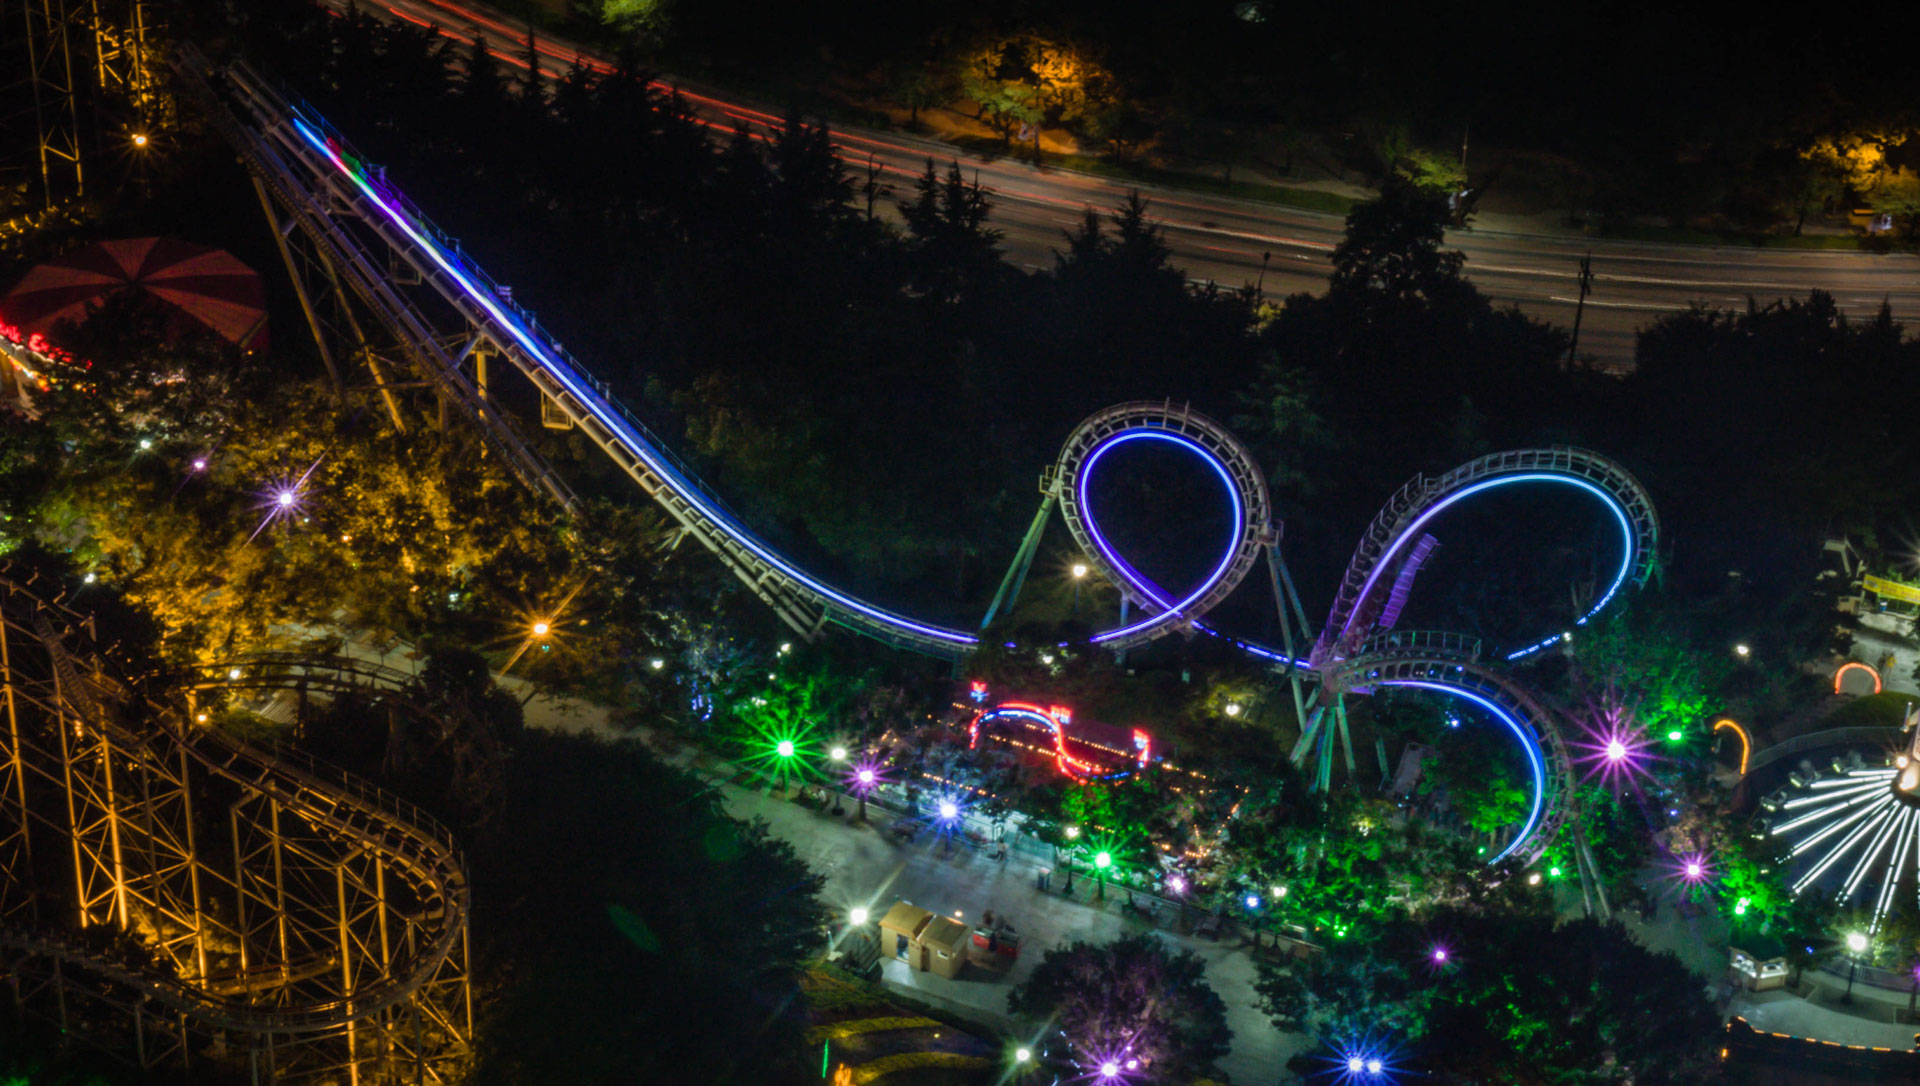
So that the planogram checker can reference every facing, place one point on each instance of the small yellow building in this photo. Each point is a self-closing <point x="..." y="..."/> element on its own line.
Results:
<point x="929" y="943"/>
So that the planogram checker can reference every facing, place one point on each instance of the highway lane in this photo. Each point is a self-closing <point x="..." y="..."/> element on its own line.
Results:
<point x="1222" y="239"/>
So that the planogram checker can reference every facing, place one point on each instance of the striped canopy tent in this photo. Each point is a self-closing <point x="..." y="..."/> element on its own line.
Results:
<point x="204" y="287"/>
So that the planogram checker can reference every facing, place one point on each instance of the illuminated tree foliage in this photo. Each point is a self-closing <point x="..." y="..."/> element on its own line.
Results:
<point x="1133" y="998"/>
<point x="1522" y="1001"/>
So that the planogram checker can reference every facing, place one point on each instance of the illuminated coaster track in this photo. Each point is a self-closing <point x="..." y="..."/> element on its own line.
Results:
<point x="1389" y="543"/>
<point x="291" y="916"/>
<point x="1449" y="664"/>
<point x="1244" y="485"/>
<point x="363" y="228"/>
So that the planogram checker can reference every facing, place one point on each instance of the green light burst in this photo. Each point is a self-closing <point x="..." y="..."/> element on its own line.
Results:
<point x="783" y="752"/>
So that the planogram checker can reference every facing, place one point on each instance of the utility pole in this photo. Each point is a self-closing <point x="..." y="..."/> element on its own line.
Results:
<point x="1580" y="307"/>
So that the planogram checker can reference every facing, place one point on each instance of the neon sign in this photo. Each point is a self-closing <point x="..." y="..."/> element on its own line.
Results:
<point x="1054" y="720"/>
<point x="1839" y="676"/>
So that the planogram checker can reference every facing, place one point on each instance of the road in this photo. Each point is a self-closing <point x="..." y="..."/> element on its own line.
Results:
<point x="1222" y="239"/>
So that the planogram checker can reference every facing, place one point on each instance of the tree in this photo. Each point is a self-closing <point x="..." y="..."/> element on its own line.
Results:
<point x="1131" y="999"/>
<point x="645" y="22"/>
<point x="1520" y="1001"/>
<point x="953" y="251"/>
<point x="1392" y="251"/>
<point x="633" y="931"/>
<point x="913" y="86"/>
<point x="1403" y="344"/>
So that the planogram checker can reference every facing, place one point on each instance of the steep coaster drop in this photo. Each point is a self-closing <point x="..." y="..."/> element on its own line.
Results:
<point x="361" y="227"/>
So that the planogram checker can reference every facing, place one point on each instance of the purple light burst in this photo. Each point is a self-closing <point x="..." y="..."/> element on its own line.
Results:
<point x="1109" y="1066"/>
<point x="1693" y="868"/>
<point x="1614" y="749"/>
<point x="284" y="498"/>
<point x="866" y="775"/>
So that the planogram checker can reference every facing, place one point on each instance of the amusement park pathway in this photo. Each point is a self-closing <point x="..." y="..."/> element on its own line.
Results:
<point x="863" y="865"/>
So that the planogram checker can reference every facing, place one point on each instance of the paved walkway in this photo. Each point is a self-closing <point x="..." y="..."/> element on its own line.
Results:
<point x="1871" y="1019"/>
<point x="865" y="866"/>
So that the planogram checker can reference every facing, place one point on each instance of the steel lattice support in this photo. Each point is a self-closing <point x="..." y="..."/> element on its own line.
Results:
<point x="177" y="897"/>
<point x="43" y="55"/>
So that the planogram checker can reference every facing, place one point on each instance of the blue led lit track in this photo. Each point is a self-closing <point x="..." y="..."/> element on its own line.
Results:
<point x="1388" y="546"/>
<point x="1450" y="664"/>
<point x="1243" y="485"/>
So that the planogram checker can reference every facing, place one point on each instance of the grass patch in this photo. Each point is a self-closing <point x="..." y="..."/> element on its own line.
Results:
<point x="831" y="993"/>
<point x="856" y="1026"/>
<point x="1330" y="203"/>
<point x="926" y="1067"/>
<point x="1883" y="710"/>
<point x="1686" y="236"/>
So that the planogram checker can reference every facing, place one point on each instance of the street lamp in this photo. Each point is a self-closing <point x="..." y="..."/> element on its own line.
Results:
<point x="539" y="630"/>
<point x="1856" y="946"/>
<point x="863" y="780"/>
<point x="858" y="916"/>
<point x="838" y="754"/>
<point x="1101" y="861"/>
<point x="1079" y="574"/>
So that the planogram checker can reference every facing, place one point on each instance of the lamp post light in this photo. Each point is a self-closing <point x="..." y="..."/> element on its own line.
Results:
<point x="1856" y="946"/>
<point x="863" y="780"/>
<point x="1101" y="861"/>
<point x="839" y="756"/>
<point x="1073" y="845"/>
<point x="540" y="630"/>
<point x="1079" y="572"/>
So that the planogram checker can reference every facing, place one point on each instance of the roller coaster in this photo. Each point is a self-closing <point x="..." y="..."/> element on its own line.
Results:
<point x="260" y="910"/>
<point x="379" y="251"/>
<point x="178" y="897"/>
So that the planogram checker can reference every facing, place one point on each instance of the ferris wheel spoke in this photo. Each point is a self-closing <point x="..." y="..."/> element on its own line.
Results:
<point x="1856" y="788"/>
<point x="1902" y="849"/>
<point x="1887" y="828"/>
<point x="1866" y="825"/>
<point x="1870" y="799"/>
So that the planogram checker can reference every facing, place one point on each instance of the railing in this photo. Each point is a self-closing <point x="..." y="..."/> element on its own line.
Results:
<point x="1832" y="737"/>
<point x="1422" y="494"/>
<point x="1238" y="461"/>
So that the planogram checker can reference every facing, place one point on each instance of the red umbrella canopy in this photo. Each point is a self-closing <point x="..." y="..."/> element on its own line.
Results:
<point x="207" y="285"/>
